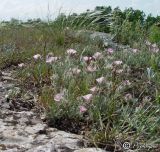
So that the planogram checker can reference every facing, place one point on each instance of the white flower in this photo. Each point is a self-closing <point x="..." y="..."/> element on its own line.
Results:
<point x="91" y="69"/>
<point x="37" y="56"/>
<point x="109" y="66"/>
<point x="134" y="50"/>
<point x="87" y="97"/>
<point x="154" y="45"/>
<point x="117" y="62"/>
<point x="148" y="43"/>
<point x="6" y="96"/>
<point x="93" y="90"/>
<point x="100" y="80"/>
<point x="147" y="99"/>
<point x="128" y="97"/>
<point x="85" y="58"/>
<point x="51" y="59"/>
<point x="97" y="55"/>
<point x="21" y="65"/>
<point x="50" y="54"/>
<point x="76" y="71"/>
<point x="119" y="71"/>
<point x="67" y="28"/>
<point x="155" y="50"/>
<point x="71" y="52"/>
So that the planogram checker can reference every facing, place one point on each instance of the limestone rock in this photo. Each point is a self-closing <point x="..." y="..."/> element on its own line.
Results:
<point x="23" y="130"/>
<point x="90" y="150"/>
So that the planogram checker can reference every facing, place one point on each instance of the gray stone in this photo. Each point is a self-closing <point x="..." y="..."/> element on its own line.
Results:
<point x="68" y="140"/>
<point x="90" y="150"/>
<point x="35" y="129"/>
<point x="11" y="150"/>
<point x="9" y="74"/>
<point x="27" y="96"/>
<point x="12" y="137"/>
<point x="23" y="121"/>
<point x="49" y="147"/>
<point x="8" y="78"/>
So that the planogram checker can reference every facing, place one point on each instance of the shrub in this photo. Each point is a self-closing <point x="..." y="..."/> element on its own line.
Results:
<point x="154" y="34"/>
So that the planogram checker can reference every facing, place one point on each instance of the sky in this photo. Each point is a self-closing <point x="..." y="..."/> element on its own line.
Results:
<point x="26" y="9"/>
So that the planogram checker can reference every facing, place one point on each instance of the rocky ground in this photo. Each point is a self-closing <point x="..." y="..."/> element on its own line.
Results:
<point x="22" y="129"/>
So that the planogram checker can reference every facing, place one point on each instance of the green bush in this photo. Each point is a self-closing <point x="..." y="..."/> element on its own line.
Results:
<point x="154" y="34"/>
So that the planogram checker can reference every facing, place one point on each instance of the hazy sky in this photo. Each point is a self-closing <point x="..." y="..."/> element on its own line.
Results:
<point x="24" y="9"/>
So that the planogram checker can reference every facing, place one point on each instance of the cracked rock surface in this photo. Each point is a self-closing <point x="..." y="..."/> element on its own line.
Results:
<point x="23" y="130"/>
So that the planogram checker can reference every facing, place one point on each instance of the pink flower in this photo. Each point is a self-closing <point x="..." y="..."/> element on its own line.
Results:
<point x="100" y="80"/>
<point x="97" y="55"/>
<point x="58" y="97"/>
<point x="91" y="69"/>
<point x="93" y="90"/>
<point x="127" y="83"/>
<point x="71" y="52"/>
<point x="110" y="51"/>
<point x="117" y="62"/>
<point x="21" y="65"/>
<point x="37" y="56"/>
<point x="51" y="59"/>
<point x="82" y="109"/>
<point x="87" y="97"/>
<point x="128" y="97"/>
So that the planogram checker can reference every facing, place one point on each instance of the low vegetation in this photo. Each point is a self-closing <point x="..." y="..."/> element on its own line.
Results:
<point x="109" y="96"/>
